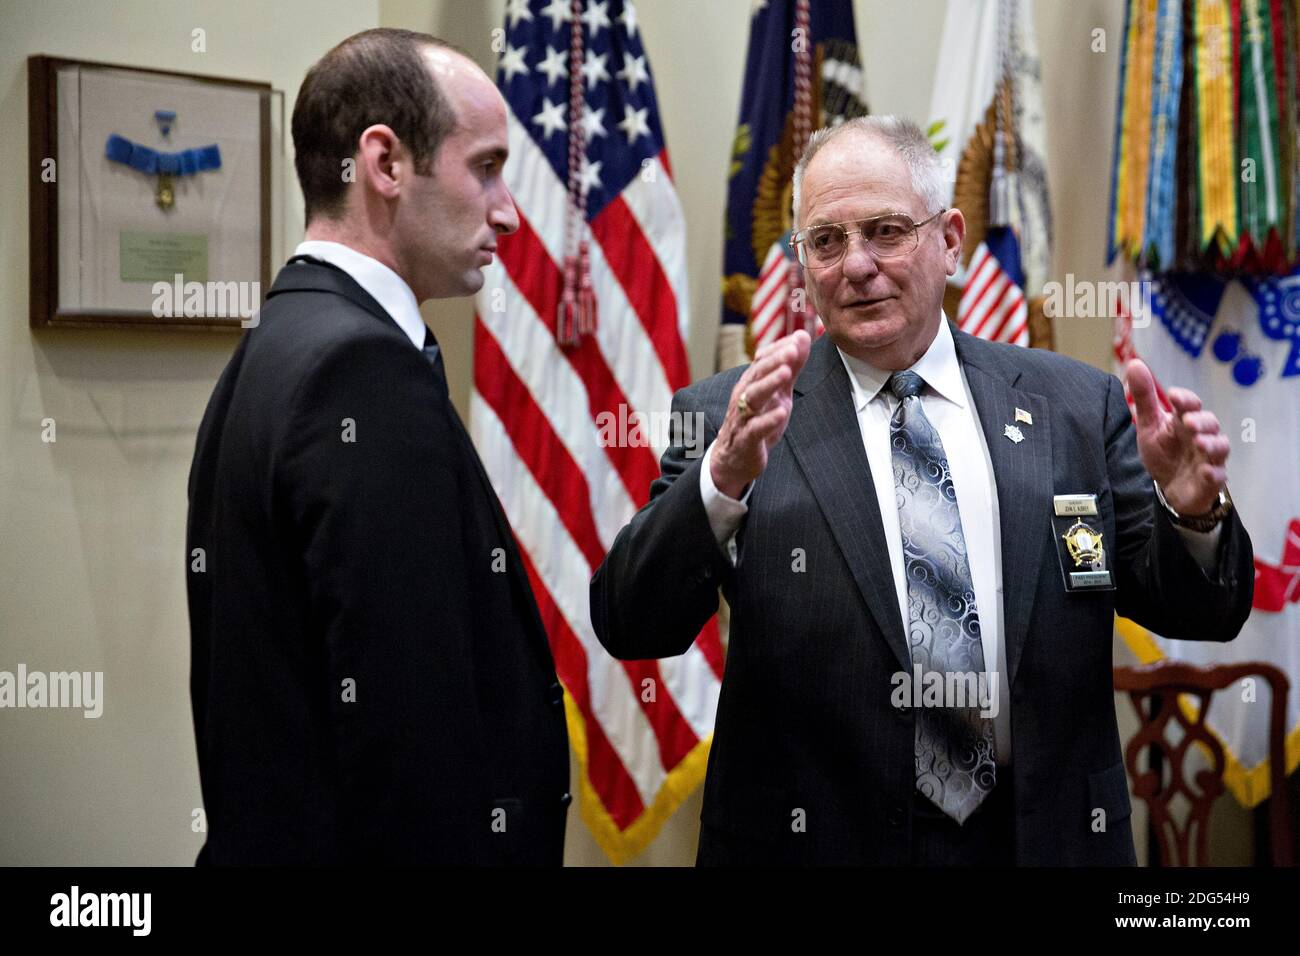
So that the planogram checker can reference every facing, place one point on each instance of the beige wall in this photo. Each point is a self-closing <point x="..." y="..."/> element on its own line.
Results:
<point x="92" y="526"/>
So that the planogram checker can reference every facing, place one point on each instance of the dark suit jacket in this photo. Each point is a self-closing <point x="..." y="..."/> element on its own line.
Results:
<point x="804" y="719"/>
<point x="366" y="687"/>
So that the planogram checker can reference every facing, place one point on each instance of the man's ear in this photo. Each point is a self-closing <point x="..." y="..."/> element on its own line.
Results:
<point x="382" y="161"/>
<point x="954" y="232"/>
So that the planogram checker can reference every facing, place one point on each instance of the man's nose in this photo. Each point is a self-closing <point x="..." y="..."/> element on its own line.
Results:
<point x="859" y="261"/>
<point x="503" y="216"/>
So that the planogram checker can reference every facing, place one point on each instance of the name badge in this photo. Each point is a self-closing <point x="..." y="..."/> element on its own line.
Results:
<point x="1080" y="544"/>
<point x="1074" y="505"/>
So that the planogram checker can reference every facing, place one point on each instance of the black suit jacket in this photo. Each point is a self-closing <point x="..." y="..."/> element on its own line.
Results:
<point x="804" y="719"/>
<point x="368" y="684"/>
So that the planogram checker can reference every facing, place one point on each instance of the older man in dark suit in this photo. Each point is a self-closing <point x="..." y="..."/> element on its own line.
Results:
<point x="924" y="538"/>
<point x="371" y="681"/>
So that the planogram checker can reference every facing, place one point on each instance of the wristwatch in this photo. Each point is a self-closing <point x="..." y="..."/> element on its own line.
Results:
<point x="1203" y="522"/>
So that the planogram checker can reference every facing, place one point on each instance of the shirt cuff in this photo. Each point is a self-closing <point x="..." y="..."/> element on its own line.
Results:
<point x="1203" y="546"/>
<point x="725" y="513"/>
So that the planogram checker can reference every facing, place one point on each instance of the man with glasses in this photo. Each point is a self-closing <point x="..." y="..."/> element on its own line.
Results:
<point x="923" y="538"/>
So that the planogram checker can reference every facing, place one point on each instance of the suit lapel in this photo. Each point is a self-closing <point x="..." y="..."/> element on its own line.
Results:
<point x="1023" y="473"/>
<point x="826" y="442"/>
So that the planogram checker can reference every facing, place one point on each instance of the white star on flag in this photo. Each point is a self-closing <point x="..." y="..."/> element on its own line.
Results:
<point x="595" y="17"/>
<point x="589" y="175"/>
<point x="593" y="123"/>
<point x="555" y="66"/>
<point x="551" y="118"/>
<point x="518" y="10"/>
<point x="558" y="11"/>
<point x="634" y="123"/>
<point x="628" y="18"/>
<point x="512" y="62"/>
<point x="634" y="72"/>
<point x="594" y="69"/>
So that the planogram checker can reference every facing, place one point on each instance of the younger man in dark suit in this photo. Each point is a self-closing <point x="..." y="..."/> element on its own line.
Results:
<point x="371" y="681"/>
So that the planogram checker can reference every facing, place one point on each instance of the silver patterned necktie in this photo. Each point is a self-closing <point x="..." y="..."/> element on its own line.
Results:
<point x="955" y="750"/>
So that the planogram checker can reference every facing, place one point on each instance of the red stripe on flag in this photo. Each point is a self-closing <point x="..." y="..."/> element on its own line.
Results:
<point x="663" y="160"/>
<point x="710" y="644"/>
<point x="1008" y="311"/>
<point x="639" y="272"/>
<point x="674" y="735"/>
<point x="538" y="278"/>
<point x="976" y="285"/>
<point x="609" y="778"/>
<point x="553" y="468"/>
<point x="988" y="287"/>
<point x="776" y="291"/>
<point x="1012" y="315"/>
<point x="1021" y="330"/>
<point x="565" y="485"/>
<point x="1007" y="288"/>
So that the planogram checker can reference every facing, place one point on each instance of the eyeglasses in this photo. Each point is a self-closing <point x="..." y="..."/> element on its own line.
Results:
<point x="894" y="234"/>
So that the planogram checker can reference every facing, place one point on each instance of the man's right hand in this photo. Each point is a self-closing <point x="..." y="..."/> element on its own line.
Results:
<point x="767" y="386"/>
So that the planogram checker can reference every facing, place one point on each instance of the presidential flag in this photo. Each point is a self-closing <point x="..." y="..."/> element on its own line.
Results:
<point x="579" y="345"/>
<point x="801" y="73"/>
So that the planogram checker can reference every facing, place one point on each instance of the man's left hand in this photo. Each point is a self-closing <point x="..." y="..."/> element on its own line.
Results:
<point x="1182" y="450"/>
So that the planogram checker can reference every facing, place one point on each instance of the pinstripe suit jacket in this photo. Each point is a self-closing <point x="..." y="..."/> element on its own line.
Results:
<point x="804" y="719"/>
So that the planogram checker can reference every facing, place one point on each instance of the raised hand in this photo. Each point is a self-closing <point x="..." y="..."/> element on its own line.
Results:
<point x="1183" y="450"/>
<point x="757" y="413"/>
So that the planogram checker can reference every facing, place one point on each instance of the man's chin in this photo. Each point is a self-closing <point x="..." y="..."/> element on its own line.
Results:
<point x="468" y="283"/>
<point x="872" y="331"/>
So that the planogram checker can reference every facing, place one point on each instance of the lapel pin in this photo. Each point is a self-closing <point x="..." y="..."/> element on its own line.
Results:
<point x="1014" y="433"/>
<point x="1024" y="416"/>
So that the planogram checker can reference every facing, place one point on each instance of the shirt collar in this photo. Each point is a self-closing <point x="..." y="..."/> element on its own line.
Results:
<point x="383" y="284"/>
<point x="938" y="367"/>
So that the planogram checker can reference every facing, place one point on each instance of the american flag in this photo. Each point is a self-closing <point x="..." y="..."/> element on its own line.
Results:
<point x="993" y="300"/>
<point x="640" y="729"/>
<point x="781" y="302"/>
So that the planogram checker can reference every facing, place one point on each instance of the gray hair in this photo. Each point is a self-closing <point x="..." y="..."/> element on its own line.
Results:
<point x="908" y="139"/>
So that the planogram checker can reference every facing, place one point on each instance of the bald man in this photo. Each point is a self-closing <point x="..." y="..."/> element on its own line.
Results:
<point x="371" y="682"/>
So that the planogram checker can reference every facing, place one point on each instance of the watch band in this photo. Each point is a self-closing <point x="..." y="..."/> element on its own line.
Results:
<point x="1202" y="522"/>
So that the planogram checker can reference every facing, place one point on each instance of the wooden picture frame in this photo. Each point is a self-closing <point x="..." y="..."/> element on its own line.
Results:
<point x="212" y="209"/>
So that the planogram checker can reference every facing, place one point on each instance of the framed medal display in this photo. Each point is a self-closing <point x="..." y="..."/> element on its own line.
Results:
<point x="154" y="196"/>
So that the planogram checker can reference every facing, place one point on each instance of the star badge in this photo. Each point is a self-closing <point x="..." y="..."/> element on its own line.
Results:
<point x="1014" y="433"/>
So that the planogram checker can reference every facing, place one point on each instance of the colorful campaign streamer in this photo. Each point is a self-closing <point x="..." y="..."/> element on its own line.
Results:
<point x="1204" y="170"/>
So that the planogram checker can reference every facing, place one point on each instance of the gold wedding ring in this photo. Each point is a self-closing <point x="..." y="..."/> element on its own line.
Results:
<point x="742" y="405"/>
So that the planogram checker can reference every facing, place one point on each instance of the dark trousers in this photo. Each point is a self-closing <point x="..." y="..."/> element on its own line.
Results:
<point x="987" y="838"/>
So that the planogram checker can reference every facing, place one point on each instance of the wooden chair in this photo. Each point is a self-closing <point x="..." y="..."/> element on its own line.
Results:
<point x="1158" y="686"/>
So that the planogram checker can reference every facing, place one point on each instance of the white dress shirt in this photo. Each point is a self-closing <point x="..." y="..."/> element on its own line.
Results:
<point x="383" y="284"/>
<point x="949" y="406"/>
